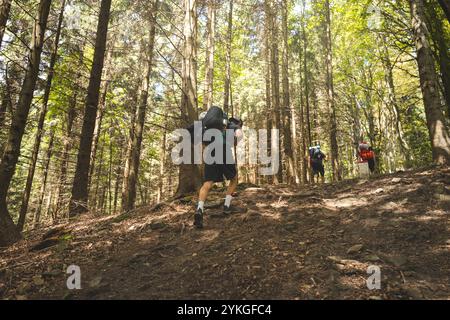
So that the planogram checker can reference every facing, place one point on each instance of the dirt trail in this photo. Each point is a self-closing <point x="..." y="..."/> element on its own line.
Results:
<point x="293" y="243"/>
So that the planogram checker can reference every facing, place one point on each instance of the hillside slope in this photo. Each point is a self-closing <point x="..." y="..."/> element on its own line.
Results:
<point x="293" y="243"/>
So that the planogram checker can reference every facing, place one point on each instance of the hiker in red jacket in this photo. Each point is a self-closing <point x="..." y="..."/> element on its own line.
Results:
<point x="366" y="154"/>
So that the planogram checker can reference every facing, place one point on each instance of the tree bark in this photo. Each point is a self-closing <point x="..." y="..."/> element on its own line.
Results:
<point x="79" y="199"/>
<point x="275" y="85"/>
<point x="5" y="8"/>
<point x="136" y="143"/>
<point x="48" y="158"/>
<point x="189" y="176"/>
<point x="437" y="33"/>
<point x="330" y="95"/>
<point x="227" y="82"/>
<point x="306" y="76"/>
<point x="286" y="108"/>
<point x="40" y="126"/>
<point x="445" y="4"/>
<point x="208" y="95"/>
<point x="9" y="233"/>
<point x="438" y="132"/>
<point x="68" y="139"/>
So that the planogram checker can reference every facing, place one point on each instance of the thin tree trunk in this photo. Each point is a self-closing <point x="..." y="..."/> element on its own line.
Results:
<point x="330" y="95"/>
<point x="5" y="8"/>
<point x="48" y="158"/>
<point x="67" y="140"/>
<point x="303" y="129"/>
<point x="130" y="193"/>
<point x="439" y="136"/>
<point x="101" y="111"/>
<point x="393" y="103"/>
<point x="40" y="126"/>
<point x="286" y="108"/>
<point x="208" y="95"/>
<point x="162" y="161"/>
<point x="275" y="85"/>
<point x="79" y="199"/>
<point x="268" y="75"/>
<point x="306" y="76"/>
<point x="227" y="82"/>
<point x="9" y="233"/>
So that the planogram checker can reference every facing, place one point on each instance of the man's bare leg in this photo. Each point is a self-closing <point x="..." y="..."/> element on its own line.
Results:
<point x="231" y="189"/>
<point x="203" y="195"/>
<point x="232" y="186"/>
<point x="204" y="191"/>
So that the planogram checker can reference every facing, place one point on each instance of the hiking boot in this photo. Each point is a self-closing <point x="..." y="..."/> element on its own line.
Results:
<point x="232" y="210"/>
<point x="198" y="219"/>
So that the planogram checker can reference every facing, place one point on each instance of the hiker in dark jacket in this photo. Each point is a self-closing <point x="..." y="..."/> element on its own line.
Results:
<point x="219" y="172"/>
<point x="316" y="159"/>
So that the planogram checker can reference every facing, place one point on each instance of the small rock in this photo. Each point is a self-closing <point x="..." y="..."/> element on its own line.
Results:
<point x="380" y="190"/>
<point x="375" y="298"/>
<point x="355" y="249"/>
<point x="396" y="180"/>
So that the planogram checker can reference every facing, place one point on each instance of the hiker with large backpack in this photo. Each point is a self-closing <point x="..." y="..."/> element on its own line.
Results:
<point x="366" y="154"/>
<point x="215" y="118"/>
<point x="316" y="157"/>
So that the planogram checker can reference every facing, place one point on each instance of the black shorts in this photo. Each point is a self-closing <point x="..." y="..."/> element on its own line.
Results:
<point x="220" y="172"/>
<point x="318" y="168"/>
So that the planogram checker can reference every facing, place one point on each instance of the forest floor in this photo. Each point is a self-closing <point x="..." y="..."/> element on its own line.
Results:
<point x="293" y="243"/>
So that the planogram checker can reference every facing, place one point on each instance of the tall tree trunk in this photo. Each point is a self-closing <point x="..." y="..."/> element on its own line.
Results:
<point x="9" y="233"/>
<point x="227" y="82"/>
<point x="393" y="103"/>
<point x="40" y="126"/>
<point x="162" y="161"/>
<point x="130" y="194"/>
<point x="97" y="130"/>
<point x="189" y="176"/>
<point x="442" y="47"/>
<point x="330" y="95"/>
<point x="275" y="77"/>
<point x="5" y="8"/>
<point x="303" y="145"/>
<point x="208" y="95"/>
<point x="306" y="76"/>
<point x="268" y="75"/>
<point x="68" y="138"/>
<point x="286" y="108"/>
<point x="439" y="136"/>
<point x="79" y="199"/>
<point x="48" y="158"/>
<point x="102" y="107"/>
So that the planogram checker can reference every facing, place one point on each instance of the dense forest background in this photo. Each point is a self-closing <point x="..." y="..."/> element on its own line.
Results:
<point x="91" y="91"/>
